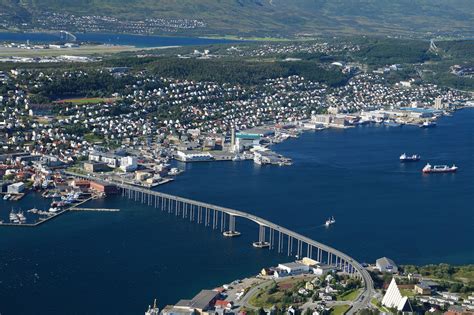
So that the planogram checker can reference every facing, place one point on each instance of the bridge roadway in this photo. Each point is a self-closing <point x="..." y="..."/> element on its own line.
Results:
<point x="342" y="260"/>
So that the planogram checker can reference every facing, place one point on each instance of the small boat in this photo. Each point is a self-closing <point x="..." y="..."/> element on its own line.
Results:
<point x="174" y="171"/>
<point x="6" y="197"/>
<point x="13" y="216"/>
<point x="21" y="217"/>
<point x="237" y="158"/>
<point x="391" y="123"/>
<point x="428" y="124"/>
<point x="330" y="221"/>
<point x="409" y="158"/>
<point x="439" y="169"/>
<point x="33" y="210"/>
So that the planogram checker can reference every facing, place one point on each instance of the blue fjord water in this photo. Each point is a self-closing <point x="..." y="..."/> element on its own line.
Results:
<point x="116" y="263"/>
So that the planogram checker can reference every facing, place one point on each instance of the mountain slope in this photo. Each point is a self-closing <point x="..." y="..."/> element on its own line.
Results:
<point x="277" y="16"/>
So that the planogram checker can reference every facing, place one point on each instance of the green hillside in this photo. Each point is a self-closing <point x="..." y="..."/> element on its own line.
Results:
<point x="275" y="16"/>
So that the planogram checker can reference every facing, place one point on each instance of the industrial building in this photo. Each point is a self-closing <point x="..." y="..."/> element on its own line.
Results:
<point x="199" y="304"/>
<point x="103" y="188"/>
<point x="294" y="268"/>
<point x="16" y="188"/>
<point x="193" y="156"/>
<point x="385" y="264"/>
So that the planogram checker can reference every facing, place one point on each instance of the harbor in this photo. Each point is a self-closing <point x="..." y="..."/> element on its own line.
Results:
<point x="68" y="202"/>
<point x="300" y="197"/>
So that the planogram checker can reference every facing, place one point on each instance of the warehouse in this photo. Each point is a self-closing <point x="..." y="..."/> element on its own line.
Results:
<point x="16" y="188"/>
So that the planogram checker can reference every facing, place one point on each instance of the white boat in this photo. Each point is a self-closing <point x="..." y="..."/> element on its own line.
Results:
<point x="6" y="197"/>
<point x="174" y="171"/>
<point x="391" y="123"/>
<point x="237" y="158"/>
<point x="53" y="209"/>
<point x="33" y="210"/>
<point x="21" y="217"/>
<point x="330" y="221"/>
<point x="409" y="158"/>
<point x="13" y="216"/>
<point x="428" y="124"/>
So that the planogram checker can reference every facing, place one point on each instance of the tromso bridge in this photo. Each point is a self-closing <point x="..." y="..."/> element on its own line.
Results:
<point x="270" y="236"/>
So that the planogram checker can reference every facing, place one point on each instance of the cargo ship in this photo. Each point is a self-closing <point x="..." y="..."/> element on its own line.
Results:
<point x="407" y="158"/>
<point x="439" y="169"/>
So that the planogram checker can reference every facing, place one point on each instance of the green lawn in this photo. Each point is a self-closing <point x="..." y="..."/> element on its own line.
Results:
<point x="376" y="303"/>
<point x="91" y="137"/>
<point x="407" y="292"/>
<point x="349" y="296"/>
<point x="339" y="309"/>
<point x="85" y="100"/>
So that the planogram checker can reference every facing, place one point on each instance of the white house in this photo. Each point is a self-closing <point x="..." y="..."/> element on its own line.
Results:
<point x="320" y="270"/>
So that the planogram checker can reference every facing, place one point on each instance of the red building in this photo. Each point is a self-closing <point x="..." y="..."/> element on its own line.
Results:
<point x="105" y="188"/>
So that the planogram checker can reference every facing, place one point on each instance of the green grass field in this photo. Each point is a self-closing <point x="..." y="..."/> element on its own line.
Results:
<point x="407" y="292"/>
<point x="349" y="296"/>
<point x="87" y="100"/>
<point x="339" y="309"/>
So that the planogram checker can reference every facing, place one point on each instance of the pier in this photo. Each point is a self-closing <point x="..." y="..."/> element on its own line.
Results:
<point x="270" y="235"/>
<point x="52" y="215"/>
<point x="94" y="209"/>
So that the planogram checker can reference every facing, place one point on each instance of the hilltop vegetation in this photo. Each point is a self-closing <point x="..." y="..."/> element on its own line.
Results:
<point x="274" y="17"/>
<point x="463" y="274"/>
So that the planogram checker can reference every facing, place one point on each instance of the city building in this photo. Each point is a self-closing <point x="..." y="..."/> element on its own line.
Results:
<point x="128" y="163"/>
<point x="438" y="103"/>
<point x="93" y="166"/>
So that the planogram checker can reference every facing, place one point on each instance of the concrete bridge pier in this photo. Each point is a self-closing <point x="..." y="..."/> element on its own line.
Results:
<point x="262" y="243"/>
<point x="231" y="232"/>
<point x="280" y="242"/>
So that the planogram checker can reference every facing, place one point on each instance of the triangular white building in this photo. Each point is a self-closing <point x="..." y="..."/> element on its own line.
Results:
<point x="394" y="299"/>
